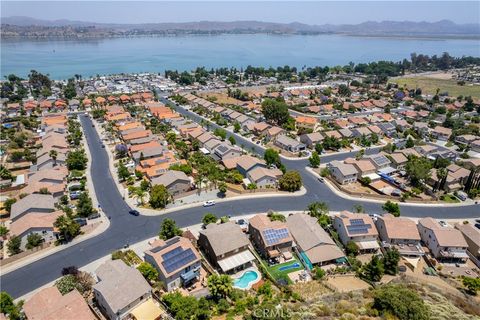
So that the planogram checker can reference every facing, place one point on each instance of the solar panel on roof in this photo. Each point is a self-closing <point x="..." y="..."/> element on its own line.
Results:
<point x="273" y="236"/>
<point x="177" y="258"/>
<point x="354" y="222"/>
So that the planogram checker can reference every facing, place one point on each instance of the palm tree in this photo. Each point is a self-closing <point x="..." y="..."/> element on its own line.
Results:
<point x="140" y="194"/>
<point x="53" y="154"/>
<point x="441" y="175"/>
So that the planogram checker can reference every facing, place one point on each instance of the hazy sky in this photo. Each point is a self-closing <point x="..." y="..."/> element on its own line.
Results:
<point x="313" y="12"/>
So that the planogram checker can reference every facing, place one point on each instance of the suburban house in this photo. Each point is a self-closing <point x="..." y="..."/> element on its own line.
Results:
<point x="358" y="228"/>
<point x="40" y="223"/>
<point x="314" y="245"/>
<point x="475" y="146"/>
<point x="465" y="139"/>
<point x="444" y="243"/>
<point x="398" y="160"/>
<point x="343" y="173"/>
<point x="246" y="163"/>
<point x="176" y="182"/>
<point x="263" y="177"/>
<point x="226" y="246"/>
<point x="49" y="303"/>
<point x="387" y="128"/>
<point x="364" y="167"/>
<point x="311" y="139"/>
<point x="273" y="133"/>
<point x="309" y="123"/>
<point x="472" y="236"/>
<point x="119" y="289"/>
<point x="33" y="203"/>
<point x="176" y="260"/>
<point x="271" y="238"/>
<point x="289" y="144"/>
<point x="46" y="162"/>
<point x="441" y="133"/>
<point x="380" y="161"/>
<point x="226" y="150"/>
<point x="400" y="233"/>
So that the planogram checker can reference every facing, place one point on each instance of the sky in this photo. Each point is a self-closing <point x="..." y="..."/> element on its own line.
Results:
<point x="312" y="12"/>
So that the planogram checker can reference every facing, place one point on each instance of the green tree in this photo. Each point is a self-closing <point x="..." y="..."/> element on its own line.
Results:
<point x="392" y="207"/>
<point x="3" y="231"/>
<point x="236" y="127"/>
<point x="314" y="159"/>
<point x="275" y="111"/>
<point x="319" y="148"/>
<point x="351" y="249"/>
<point x="122" y="172"/>
<point x="400" y="302"/>
<point x="9" y="307"/>
<point x="221" y="133"/>
<point x="220" y="286"/>
<point x="271" y="156"/>
<point x="318" y="273"/>
<point x="320" y="211"/>
<point x="418" y="169"/>
<point x="390" y="261"/>
<point x="373" y="270"/>
<point x="185" y="168"/>
<point x="209" y="218"/>
<point x="169" y="229"/>
<point x="13" y="245"/>
<point x="140" y="195"/>
<point x="69" y="90"/>
<point x="159" y="196"/>
<point x="85" y="205"/>
<point x="33" y="240"/>
<point x="410" y="143"/>
<point x="291" y="181"/>
<point x="148" y="271"/>
<point x="232" y="140"/>
<point x="472" y="285"/>
<point x="76" y="160"/>
<point x="68" y="228"/>
<point x="144" y="185"/>
<point x="358" y="208"/>
<point x="5" y="173"/>
<point x="171" y="137"/>
<point x="7" y="204"/>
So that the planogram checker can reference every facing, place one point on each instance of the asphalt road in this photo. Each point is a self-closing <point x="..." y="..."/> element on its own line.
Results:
<point x="125" y="228"/>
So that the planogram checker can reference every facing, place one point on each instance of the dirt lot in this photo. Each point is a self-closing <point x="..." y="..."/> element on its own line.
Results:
<point x="347" y="283"/>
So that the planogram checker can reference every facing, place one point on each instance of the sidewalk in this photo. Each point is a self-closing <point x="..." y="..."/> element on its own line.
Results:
<point x="103" y="222"/>
<point x="365" y="199"/>
<point x="193" y="200"/>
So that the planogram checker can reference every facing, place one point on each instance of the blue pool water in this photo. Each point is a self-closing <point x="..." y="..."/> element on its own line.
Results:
<point x="245" y="279"/>
<point x="290" y="266"/>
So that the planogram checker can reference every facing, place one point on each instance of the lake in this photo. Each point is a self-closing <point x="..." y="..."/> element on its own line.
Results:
<point x="64" y="58"/>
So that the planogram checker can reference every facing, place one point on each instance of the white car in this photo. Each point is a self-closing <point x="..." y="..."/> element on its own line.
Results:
<point x="209" y="203"/>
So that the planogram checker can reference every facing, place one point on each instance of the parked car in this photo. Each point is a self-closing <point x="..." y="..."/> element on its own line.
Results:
<point x="75" y="195"/>
<point x="81" y="221"/>
<point x="134" y="213"/>
<point x="209" y="203"/>
<point x="462" y="195"/>
<point x="477" y="225"/>
<point x="443" y="223"/>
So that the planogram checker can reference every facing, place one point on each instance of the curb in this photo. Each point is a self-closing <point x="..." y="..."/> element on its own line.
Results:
<point x="104" y="225"/>
<point x="411" y="204"/>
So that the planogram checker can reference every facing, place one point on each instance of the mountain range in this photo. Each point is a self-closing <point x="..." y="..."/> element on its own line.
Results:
<point x="17" y="25"/>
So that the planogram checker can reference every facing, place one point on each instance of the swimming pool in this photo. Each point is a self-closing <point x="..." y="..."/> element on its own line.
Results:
<point x="290" y="266"/>
<point x="246" y="280"/>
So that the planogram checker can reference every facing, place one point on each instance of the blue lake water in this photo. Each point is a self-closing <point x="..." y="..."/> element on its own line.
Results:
<point x="64" y="58"/>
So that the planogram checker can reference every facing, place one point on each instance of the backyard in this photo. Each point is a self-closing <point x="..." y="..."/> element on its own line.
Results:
<point x="281" y="270"/>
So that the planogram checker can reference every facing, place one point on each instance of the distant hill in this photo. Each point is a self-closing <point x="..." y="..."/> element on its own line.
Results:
<point x="25" y="26"/>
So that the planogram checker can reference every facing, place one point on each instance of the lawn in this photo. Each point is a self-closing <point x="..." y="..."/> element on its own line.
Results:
<point x="282" y="274"/>
<point x="429" y="86"/>
<point x="449" y="198"/>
